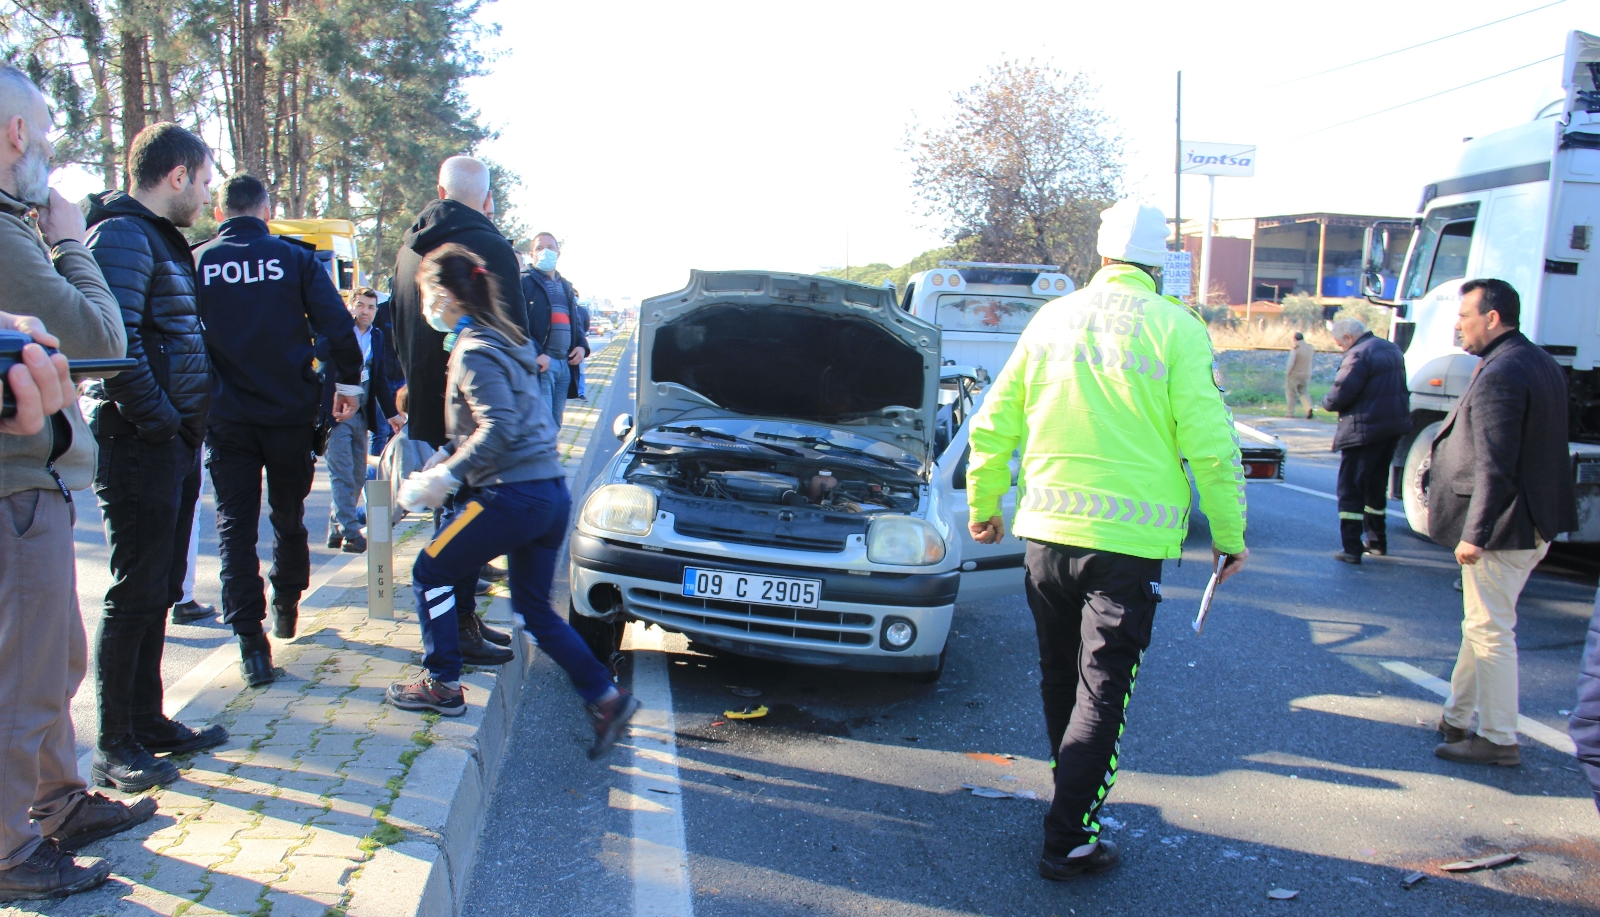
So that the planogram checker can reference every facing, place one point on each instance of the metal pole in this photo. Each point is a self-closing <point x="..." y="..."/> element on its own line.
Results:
<point x="380" y="553"/>
<point x="1177" y="169"/>
<point x="1204" y="297"/>
<point x="1322" y="250"/>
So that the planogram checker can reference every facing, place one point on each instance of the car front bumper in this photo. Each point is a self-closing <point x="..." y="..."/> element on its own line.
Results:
<point x="844" y="631"/>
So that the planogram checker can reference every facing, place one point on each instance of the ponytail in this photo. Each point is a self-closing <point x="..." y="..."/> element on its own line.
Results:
<point x="457" y="269"/>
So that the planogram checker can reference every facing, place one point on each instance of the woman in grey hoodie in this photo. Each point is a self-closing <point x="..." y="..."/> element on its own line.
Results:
<point x="507" y="495"/>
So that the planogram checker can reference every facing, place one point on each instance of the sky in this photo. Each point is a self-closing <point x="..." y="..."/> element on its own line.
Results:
<point x="654" y="138"/>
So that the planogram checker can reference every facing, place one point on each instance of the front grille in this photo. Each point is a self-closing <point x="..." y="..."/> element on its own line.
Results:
<point x="765" y="539"/>
<point x="811" y="624"/>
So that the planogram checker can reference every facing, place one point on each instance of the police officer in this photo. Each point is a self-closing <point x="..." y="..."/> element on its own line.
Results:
<point x="1105" y="388"/>
<point x="262" y="298"/>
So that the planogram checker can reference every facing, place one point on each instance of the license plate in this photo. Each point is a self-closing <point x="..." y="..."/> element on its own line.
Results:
<point x="750" y="587"/>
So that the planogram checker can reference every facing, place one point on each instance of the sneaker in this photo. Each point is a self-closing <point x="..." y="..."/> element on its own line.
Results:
<point x="170" y="737"/>
<point x="483" y="587"/>
<point x="1479" y="750"/>
<point x="427" y="694"/>
<point x="1100" y="856"/>
<point x="355" y="544"/>
<point x="492" y="573"/>
<point x="1452" y="734"/>
<point x="123" y="764"/>
<point x="97" y="817"/>
<point x="610" y="718"/>
<point x="192" y="611"/>
<point x="1348" y="558"/>
<point x="49" y="873"/>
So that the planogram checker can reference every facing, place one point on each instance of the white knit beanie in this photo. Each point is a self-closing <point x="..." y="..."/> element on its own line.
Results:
<point x="1133" y="232"/>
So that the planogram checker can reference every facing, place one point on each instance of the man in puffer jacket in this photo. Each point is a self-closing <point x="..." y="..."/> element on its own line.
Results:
<point x="1584" y="727"/>
<point x="1369" y="394"/>
<point x="149" y="423"/>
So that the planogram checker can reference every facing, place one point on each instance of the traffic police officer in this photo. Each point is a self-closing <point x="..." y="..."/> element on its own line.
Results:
<point x="1105" y="389"/>
<point x="262" y="298"/>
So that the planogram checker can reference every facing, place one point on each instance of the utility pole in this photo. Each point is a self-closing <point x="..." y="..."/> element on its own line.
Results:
<point x="1177" y="172"/>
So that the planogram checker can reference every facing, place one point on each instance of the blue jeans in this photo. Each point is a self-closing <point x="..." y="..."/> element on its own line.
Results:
<point x="553" y="382"/>
<point x="527" y="522"/>
<point x="347" y="472"/>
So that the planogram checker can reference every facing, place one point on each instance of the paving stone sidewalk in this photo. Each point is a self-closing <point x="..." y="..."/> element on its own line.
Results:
<point x="326" y="801"/>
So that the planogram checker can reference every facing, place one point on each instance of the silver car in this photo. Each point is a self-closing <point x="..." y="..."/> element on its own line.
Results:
<point x="793" y="486"/>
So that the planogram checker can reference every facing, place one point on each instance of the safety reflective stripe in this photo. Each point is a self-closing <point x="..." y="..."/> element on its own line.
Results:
<point x="469" y="513"/>
<point x="435" y="609"/>
<point x="1091" y="818"/>
<point x="1354" y="516"/>
<point x="1105" y="357"/>
<point x="1069" y="502"/>
<point x="1372" y="512"/>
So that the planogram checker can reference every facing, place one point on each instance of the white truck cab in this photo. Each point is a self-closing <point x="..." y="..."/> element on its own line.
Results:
<point x="1521" y="205"/>
<point x="982" y="307"/>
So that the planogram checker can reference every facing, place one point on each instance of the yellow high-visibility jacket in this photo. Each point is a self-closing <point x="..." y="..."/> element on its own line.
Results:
<point x="1109" y="389"/>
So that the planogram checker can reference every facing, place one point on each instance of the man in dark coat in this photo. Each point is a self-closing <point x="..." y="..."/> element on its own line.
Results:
<point x="552" y="322"/>
<point x="1369" y="394"/>
<point x="1584" y="727"/>
<point x="463" y="214"/>
<point x="149" y="423"/>
<point x="1500" y="490"/>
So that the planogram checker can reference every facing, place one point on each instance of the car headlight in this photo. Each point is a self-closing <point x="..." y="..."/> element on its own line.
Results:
<point x="904" y="541"/>
<point x="622" y="509"/>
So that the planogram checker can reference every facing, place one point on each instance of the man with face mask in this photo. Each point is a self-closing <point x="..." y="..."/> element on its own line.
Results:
<point x="149" y="422"/>
<point x="553" y="321"/>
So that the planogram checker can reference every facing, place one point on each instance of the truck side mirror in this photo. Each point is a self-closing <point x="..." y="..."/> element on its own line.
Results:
<point x="622" y="426"/>
<point x="1372" y="284"/>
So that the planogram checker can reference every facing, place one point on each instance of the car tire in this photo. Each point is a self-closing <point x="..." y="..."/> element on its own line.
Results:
<point x="929" y="677"/>
<point x="602" y="637"/>
<point x="1414" y="480"/>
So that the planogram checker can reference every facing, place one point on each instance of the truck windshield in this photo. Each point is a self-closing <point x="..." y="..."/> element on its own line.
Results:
<point x="1440" y="252"/>
<point x="978" y="312"/>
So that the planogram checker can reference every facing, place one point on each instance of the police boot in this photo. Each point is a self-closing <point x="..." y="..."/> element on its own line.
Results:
<point x="474" y="649"/>
<point x="1350" y="535"/>
<point x="285" y="615"/>
<point x="255" y="655"/>
<point x="1377" y="534"/>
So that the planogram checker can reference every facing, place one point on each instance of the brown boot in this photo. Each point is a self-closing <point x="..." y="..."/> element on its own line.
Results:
<point x="1453" y="734"/>
<point x="1479" y="750"/>
<point x="97" y="817"/>
<point x="49" y="873"/>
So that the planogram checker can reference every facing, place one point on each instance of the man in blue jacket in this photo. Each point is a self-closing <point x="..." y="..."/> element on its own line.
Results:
<point x="1369" y="395"/>
<point x="262" y="298"/>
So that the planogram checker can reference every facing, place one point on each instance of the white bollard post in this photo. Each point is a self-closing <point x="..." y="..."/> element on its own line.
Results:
<point x="380" y="553"/>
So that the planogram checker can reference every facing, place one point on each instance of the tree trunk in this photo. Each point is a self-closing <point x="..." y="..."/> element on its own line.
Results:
<point x="131" y="66"/>
<point x="102" y="109"/>
<point x="169" y="112"/>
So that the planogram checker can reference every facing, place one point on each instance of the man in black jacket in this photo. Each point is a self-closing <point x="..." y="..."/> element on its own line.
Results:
<point x="552" y="304"/>
<point x="1369" y="394"/>
<point x="1500" y="490"/>
<point x="463" y="214"/>
<point x="262" y="298"/>
<point x="149" y="423"/>
<point x="347" y="444"/>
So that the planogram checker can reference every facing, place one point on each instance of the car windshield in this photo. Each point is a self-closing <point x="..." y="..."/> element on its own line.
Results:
<point x="1440" y="252"/>
<point x="985" y="312"/>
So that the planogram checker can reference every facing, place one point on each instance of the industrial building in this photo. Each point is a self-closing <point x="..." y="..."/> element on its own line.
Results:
<point x="1264" y="259"/>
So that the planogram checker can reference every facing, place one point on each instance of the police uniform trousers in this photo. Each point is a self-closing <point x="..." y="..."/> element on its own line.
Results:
<point x="236" y="455"/>
<point x="1093" y="611"/>
<point x="1363" y="492"/>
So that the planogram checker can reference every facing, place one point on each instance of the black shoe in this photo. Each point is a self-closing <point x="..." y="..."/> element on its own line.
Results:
<point x="355" y="544"/>
<point x="284" y="619"/>
<point x="335" y="538"/>
<point x="1348" y="558"/>
<point x="170" y="737"/>
<point x="98" y="817"/>
<point x="192" y="611"/>
<point x="492" y="573"/>
<point x="1058" y="869"/>
<point x="49" y="873"/>
<point x="497" y="637"/>
<point x="124" y="764"/>
<point x="483" y="587"/>
<point x="474" y="649"/>
<point x="609" y="720"/>
<point x="1377" y="550"/>
<point x="255" y="660"/>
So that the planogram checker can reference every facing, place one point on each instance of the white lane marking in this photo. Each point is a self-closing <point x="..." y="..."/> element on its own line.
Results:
<point x="660" y="858"/>
<point x="1531" y="728"/>
<point x="1327" y="496"/>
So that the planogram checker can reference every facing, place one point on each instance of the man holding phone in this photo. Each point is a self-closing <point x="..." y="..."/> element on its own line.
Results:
<point x="1105" y="389"/>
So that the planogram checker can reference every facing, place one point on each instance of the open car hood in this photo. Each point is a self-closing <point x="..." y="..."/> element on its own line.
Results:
<point x="791" y="347"/>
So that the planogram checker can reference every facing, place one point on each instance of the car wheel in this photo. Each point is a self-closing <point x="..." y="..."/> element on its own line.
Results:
<point x="602" y="637"/>
<point x="928" y="678"/>
<point x="1414" y="483"/>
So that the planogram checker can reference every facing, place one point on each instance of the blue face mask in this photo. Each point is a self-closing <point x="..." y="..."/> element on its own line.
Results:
<point x="546" y="260"/>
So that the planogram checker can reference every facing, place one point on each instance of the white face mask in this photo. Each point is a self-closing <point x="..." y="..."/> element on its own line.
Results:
<point x="545" y="259"/>
<point x="433" y="309"/>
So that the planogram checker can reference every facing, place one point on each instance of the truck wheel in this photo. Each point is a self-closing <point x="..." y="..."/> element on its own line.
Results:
<point x="602" y="637"/>
<point x="1414" y="483"/>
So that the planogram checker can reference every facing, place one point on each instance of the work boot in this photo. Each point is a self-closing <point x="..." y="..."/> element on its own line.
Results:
<point x="610" y="717"/>
<point x="1100" y="856"/>
<point x="192" y="611"/>
<point x="497" y="637"/>
<point x="1453" y="734"/>
<point x="335" y="538"/>
<point x="1376" y="550"/>
<point x="355" y="544"/>
<point x="1478" y="750"/>
<point x="492" y="573"/>
<point x="255" y="660"/>
<point x="474" y="649"/>
<point x="122" y="763"/>
<point x="1348" y="557"/>
<point x="427" y="694"/>
<point x="49" y="873"/>
<point x="285" y="617"/>
<point x="97" y="817"/>
<point x="169" y="737"/>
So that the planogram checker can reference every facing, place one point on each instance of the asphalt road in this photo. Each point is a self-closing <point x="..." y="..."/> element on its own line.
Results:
<point x="1273" y="752"/>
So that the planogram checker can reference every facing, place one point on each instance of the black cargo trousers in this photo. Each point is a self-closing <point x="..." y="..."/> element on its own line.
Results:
<point x="1093" y="611"/>
<point x="1363" y="491"/>
<point x="236" y="454"/>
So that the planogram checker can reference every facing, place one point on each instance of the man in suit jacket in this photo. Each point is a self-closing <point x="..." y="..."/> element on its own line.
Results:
<point x="347" y="440"/>
<point x="1500" y="490"/>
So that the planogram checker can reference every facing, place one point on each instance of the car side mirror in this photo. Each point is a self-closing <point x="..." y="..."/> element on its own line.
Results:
<point x="622" y="426"/>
